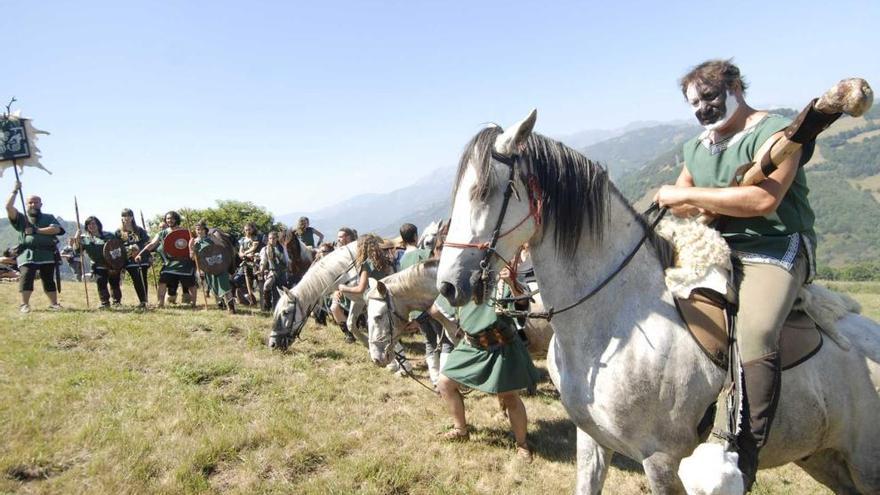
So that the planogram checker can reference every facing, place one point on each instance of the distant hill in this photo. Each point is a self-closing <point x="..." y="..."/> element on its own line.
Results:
<point x="632" y="150"/>
<point x="375" y="212"/>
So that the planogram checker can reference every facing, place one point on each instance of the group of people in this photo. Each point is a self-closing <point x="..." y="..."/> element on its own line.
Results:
<point x="769" y="227"/>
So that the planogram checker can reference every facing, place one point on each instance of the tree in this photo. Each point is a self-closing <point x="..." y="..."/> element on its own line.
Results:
<point x="230" y="216"/>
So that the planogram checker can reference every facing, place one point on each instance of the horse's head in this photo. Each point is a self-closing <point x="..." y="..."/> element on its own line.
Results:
<point x="493" y="213"/>
<point x="380" y="325"/>
<point x="287" y="320"/>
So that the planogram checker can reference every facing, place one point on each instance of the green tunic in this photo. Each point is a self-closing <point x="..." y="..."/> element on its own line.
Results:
<point x="413" y="257"/>
<point x="218" y="284"/>
<point x="94" y="247"/>
<point x="494" y="371"/>
<point x="176" y="266"/>
<point x="37" y="249"/>
<point x="774" y="238"/>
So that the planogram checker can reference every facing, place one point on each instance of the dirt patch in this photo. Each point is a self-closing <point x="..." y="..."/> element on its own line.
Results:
<point x="37" y="471"/>
<point x="78" y="340"/>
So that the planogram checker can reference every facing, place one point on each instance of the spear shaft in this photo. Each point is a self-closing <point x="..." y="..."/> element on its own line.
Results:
<point x="83" y="254"/>
<point x="152" y="270"/>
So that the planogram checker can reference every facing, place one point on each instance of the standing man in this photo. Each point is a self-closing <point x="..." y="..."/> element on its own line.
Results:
<point x="37" y="250"/>
<point x="769" y="227"/>
<point x="310" y="236"/>
<point x="174" y="269"/>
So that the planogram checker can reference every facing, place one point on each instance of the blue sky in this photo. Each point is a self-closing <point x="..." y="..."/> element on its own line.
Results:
<point x="298" y="105"/>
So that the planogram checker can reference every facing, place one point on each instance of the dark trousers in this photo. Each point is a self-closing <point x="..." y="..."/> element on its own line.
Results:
<point x="29" y="273"/>
<point x="103" y="277"/>
<point x="140" y="281"/>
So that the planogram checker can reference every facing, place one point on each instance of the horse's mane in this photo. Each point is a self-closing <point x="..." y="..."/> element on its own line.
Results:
<point x="574" y="189"/>
<point x="412" y="277"/>
<point x="320" y="276"/>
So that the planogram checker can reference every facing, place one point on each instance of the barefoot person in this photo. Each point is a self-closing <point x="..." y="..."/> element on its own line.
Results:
<point x="36" y="253"/>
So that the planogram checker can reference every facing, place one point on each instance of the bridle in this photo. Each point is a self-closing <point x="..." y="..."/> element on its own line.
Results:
<point x="293" y="331"/>
<point x="535" y="211"/>
<point x="536" y="203"/>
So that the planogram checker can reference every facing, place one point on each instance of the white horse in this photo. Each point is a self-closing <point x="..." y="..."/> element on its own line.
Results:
<point x="295" y="305"/>
<point x="630" y="376"/>
<point x="415" y="289"/>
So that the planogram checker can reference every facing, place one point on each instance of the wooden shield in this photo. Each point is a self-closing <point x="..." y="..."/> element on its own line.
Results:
<point x="114" y="254"/>
<point x="214" y="259"/>
<point x="176" y="244"/>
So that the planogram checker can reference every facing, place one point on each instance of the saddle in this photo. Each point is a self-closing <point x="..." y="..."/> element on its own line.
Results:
<point x="707" y="314"/>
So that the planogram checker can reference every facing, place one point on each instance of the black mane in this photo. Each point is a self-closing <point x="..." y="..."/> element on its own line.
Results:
<point x="574" y="189"/>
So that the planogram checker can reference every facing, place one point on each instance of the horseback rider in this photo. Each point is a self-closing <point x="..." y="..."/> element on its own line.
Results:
<point x="769" y="227"/>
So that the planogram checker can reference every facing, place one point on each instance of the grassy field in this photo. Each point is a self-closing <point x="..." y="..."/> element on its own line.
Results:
<point x="184" y="401"/>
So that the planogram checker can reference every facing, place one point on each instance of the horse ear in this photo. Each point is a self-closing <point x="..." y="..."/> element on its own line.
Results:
<point x="509" y="142"/>
<point x="280" y="292"/>
<point x="383" y="291"/>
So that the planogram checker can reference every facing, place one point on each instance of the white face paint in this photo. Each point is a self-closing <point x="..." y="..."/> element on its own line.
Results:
<point x="702" y="103"/>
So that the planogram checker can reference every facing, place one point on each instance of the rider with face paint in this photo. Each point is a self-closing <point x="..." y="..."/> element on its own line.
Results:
<point x="769" y="227"/>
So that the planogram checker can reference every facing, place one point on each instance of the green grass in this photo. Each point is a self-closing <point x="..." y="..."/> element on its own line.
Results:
<point x="184" y="401"/>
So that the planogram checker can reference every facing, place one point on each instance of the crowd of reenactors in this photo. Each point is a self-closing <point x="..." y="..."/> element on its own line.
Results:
<point x="233" y="271"/>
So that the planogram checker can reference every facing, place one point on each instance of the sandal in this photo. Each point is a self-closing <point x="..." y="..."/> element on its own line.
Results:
<point x="523" y="453"/>
<point x="456" y="435"/>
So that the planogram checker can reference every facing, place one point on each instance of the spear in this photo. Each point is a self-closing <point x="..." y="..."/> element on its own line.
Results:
<point x="152" y="269"/>
<point x="82" y="264"/>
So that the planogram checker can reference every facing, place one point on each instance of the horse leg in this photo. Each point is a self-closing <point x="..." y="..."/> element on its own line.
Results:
<point x="592" y="464"/>
<point x="660" y="468"/>
<point x="829" y="468"/>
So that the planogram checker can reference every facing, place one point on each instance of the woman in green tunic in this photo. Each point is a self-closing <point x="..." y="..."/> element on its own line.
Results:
<point x="218" y="284"/>
<point x="493" y="359"/>
<point x="371" y="262"/>
<point x="92" y="242"/>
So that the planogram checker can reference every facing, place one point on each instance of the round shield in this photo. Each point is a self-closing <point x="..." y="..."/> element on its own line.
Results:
<point x="176" y="244"/>
<point x="114" y="254"/>
<point x="214" y="259"/>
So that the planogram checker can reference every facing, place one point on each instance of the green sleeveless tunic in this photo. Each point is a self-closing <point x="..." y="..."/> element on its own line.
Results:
<point x="173" y="265"/>
<point x="218" y="284"/>
<point x="504" y="369"/>
<point x="774" y="238"/>
<point x="36" y="249"/>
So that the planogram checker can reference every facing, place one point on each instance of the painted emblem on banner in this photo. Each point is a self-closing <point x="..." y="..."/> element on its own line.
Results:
<point x="13" y="140"/>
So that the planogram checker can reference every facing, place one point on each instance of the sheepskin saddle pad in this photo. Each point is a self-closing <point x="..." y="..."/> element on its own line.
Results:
<point x="700" y="283"/>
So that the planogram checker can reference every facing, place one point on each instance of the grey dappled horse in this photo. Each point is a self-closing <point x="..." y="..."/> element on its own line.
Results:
<point x="630" y="376"/>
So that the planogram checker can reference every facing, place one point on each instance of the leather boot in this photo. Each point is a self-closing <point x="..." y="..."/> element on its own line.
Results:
<point x="762" y="384"/>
